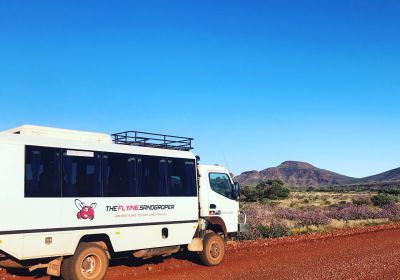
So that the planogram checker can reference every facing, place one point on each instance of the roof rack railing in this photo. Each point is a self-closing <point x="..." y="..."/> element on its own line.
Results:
<point x="153" y="140"/>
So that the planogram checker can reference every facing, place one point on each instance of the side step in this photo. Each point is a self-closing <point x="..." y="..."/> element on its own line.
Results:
<point x="162" y="251"/>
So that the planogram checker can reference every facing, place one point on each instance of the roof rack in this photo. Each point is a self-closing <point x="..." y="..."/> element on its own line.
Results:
<point x="153" y="140"/>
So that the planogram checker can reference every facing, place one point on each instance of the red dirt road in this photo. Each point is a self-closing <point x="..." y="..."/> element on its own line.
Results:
<point x="368" y="253"/>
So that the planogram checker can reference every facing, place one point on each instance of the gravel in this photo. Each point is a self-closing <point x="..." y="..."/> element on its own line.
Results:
<point x="363" y="253"/>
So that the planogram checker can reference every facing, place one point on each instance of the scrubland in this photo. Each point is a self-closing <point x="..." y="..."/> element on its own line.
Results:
<point x="310" y="212"/>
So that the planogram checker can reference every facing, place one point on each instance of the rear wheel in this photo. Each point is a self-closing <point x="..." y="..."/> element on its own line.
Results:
<point x="65" y="268"/>
<point x="213" y="249"/>
<point x="90" y="262"/>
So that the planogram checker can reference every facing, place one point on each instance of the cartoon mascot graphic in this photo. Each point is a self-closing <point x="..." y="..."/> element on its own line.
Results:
<point x="85" y="212"/>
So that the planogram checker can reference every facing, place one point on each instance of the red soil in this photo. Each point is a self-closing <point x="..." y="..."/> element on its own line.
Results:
<point x="366" y="253"/>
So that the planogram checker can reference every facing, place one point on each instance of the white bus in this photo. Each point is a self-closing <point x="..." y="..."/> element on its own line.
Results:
<point x="72" y="200"/>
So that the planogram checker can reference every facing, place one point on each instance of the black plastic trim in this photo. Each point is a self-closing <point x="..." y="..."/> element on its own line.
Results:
<point x="93" y="227"/>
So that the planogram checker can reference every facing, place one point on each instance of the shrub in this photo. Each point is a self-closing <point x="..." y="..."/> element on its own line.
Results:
<point x="285" y="213"/>
<point x="274" y="230"/>
<point x="267" y="190"/>
<point x="248" y="193"/>
<point x="313" y="217"/>
<point x="392" y="212"/>
<point x="272" y="189"/>
<point x="382" y="200"/>
<point x="304" y="218"/>
<point x="273" y="204"/>
<point x="361" y="201"/>
<point x="353" y="212"/>
<point x="256" y="215"/>
<point x="391" y="192"/>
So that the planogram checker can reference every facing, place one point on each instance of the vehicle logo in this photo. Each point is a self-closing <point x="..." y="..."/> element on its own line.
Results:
<point x="85" y="212"/>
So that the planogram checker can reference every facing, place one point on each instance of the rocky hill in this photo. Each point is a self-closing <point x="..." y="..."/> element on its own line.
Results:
<point x="295" y="173"/>
<point x="388" y="176"/>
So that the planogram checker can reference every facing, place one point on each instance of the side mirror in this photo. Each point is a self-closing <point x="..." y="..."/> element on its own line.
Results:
<point x="236" y="190"/>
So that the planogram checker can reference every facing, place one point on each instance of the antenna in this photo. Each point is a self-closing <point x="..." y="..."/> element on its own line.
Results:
<point x="226" y="162"/>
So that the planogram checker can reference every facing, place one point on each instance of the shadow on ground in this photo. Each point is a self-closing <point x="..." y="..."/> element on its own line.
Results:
<point x="122" y="261"/>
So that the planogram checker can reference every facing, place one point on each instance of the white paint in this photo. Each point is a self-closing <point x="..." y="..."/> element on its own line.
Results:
<point x="19" y="213"/>
<point x="74" y="153"/>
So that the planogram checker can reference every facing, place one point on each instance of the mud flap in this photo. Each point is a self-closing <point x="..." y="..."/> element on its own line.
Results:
<point x="243" y="228"/>
<point x="54" y="267"/>
<point x="196" y="245"/>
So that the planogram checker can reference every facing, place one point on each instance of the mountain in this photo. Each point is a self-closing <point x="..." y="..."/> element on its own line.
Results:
<point x="295" y="173"/>
<point x="388" y="176"/>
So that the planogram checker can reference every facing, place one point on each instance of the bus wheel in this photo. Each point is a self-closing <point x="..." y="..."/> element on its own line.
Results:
<point x="90" y="262"/>
<point x="213" y="249"/>
<point x="65" y="268"/>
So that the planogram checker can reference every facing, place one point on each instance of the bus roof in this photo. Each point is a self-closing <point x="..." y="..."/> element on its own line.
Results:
<point x="60" y="133"/>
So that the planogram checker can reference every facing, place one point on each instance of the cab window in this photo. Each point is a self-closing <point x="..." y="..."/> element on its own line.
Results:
<point x="221" y="184"/>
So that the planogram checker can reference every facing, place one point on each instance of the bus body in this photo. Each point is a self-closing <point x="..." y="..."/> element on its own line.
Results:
<point x="62" y="190"/>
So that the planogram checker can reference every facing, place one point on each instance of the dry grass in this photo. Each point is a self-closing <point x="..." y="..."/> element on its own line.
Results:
<point x="338" y="224"/>
<point x="300" y="200"/>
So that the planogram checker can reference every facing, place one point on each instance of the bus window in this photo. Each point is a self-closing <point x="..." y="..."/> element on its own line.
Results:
<point x="152" y="176"/>
<point x="42" y="172"/>
<point x="181" y="178"/>
<point x="119" y="175"/>
<point x="81" y="174"/>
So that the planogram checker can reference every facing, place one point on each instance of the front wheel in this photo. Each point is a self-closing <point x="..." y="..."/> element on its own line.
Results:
<point x="213" y="249"/>
<point x="90" y="262"/>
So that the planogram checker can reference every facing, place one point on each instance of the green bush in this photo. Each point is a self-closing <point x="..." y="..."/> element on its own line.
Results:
<point x="264" y="191"/>
<point x="391" y="192"/>
<point x="274" y="230"/>
<point x="361" y="201"/>
<point x="382" y="200"/>
<point x="272" y="189"/>
<point x="248" y="193"/>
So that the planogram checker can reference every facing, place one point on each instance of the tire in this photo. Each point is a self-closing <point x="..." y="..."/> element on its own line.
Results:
<point x="213" y="249"/>
<point x="90" y="262"/>
<point x="65" y="265"/>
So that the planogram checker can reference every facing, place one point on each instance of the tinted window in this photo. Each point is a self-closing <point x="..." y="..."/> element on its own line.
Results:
<point x="152" y="176"/>
<point x="221" y="184"/>
<point x="119" y="175"/>
<point x="181" y="177"/>
<point x="42" y="172"/>
<point x="81" y="174"/>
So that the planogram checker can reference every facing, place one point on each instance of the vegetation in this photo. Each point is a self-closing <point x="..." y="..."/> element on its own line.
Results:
<point x="361" y="201"/>
<point x="248" y="193"/>
<point x="272" y="189"/>
<point x="390" y="191"/>
<point x="307" y="212"/>
<point x="383" y="199"/>
<point x="266" y="190"/>
<point x="274" y="230"/>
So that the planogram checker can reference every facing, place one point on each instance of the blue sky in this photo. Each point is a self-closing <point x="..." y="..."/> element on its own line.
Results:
<point x="254" y="82"/>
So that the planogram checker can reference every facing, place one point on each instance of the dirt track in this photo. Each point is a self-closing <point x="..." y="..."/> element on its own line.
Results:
<point x="369" y="253"/>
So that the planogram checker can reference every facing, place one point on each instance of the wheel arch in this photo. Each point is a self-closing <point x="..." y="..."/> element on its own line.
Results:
<point x="217" y="225"/>
<point x="101" y="239"/>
